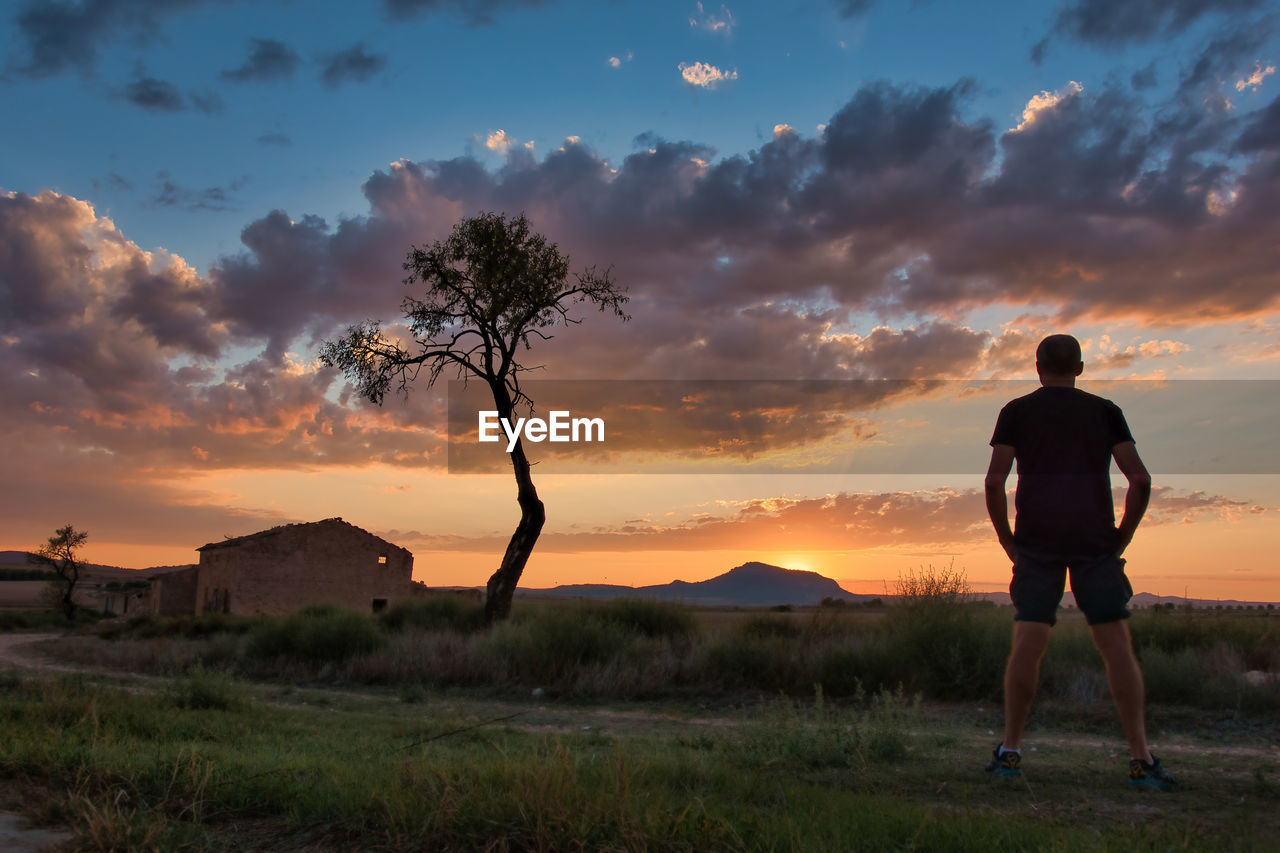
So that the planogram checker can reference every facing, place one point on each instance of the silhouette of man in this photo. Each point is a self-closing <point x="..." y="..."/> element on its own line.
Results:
<point x="1064" y="440"/>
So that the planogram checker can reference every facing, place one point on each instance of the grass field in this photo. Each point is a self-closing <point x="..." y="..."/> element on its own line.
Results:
<point x="246" y="737"/>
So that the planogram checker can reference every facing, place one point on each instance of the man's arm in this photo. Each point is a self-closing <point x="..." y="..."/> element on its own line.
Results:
<point x="1139" y="493"/>
<point x="997" y="503"/>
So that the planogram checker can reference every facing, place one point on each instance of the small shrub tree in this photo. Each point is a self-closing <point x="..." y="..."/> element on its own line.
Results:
<point x="59" y="555"/>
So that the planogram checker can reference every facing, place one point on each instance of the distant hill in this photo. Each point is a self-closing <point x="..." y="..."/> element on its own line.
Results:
<point x="18" y="560"/>
<point x="748" y="585"/>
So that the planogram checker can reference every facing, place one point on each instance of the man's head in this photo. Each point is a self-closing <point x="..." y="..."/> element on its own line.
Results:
<point x="1058" y="357"/>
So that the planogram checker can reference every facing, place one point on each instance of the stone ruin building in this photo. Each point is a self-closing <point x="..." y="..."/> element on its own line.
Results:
<point x="286" y="568"/>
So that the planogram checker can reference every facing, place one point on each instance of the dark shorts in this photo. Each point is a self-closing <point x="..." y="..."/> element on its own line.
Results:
<point x="1098" y="583"/>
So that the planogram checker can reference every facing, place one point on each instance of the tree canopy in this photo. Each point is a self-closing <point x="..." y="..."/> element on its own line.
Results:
<point x="59" y="554"/>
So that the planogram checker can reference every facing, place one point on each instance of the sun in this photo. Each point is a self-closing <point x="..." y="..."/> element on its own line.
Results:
<point x="799" y="562"/>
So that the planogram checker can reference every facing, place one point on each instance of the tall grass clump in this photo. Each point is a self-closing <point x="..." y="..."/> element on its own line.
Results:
<point x="649" y="618"/>
<point x="203" y="689"/>
<point x="320" y="633"/>
<point x="552" y="645"/>
<point x="437" y="613"/>
<point x="947" y="645"/>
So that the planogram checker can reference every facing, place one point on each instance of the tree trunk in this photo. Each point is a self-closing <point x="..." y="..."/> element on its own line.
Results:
<point x="502" y="585"/>
<point x="70" y="574"/>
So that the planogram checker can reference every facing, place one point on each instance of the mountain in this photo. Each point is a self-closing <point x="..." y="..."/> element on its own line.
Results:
<point x="748" y="585"/>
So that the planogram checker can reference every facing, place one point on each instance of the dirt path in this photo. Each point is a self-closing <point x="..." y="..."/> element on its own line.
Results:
<point x="15" y="654"/>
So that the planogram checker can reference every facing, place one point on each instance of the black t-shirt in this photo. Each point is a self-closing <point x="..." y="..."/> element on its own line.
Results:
<point x="1062" y="439"/>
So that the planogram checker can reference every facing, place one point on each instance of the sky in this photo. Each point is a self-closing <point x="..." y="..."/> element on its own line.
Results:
<point x="806" y="198"/>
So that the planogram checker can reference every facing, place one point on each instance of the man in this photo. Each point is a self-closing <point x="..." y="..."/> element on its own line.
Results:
<point x="1064" y="440"/>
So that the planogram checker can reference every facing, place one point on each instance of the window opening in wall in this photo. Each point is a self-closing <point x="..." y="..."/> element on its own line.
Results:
<point x="379" y="605"/>
<point x="382" y="560"/>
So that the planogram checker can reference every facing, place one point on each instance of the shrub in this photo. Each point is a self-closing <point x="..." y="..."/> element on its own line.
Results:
<point x="148" y="626"/>
<point x="549" y="644"/>
<point x="649" y="618"/>
<point x="317" y="634"/>
<point x="946" y="647"/>
<point x="769" y="626"/>
<point x="437" y="613"/>
<point x="752" y="662"/>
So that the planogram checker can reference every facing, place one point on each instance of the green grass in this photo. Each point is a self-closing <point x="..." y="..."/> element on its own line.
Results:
<point x="934" y="645"/>
<point x="130" y="770"/>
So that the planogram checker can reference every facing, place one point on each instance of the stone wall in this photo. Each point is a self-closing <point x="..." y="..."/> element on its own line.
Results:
<point x="284" y="569"/>
<point x="173" y="593"/>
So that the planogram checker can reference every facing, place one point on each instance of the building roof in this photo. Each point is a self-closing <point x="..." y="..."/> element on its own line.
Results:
<point x="235" y="541"/>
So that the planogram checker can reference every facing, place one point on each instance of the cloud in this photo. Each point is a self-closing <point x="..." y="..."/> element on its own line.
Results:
<point x="782" y="130"/>
<point x="208" y="102"/>
<point x="109" y="356"/>
<point x="172" y="194"/>
<point x="1103" y="207"/>
<point x="1047" y="101"/>
<point x="704" y="75"/>
<point x="852" y="8"/>
<point x="719" y="23"/>
<point x="843" y="521"/>
<point x="354" y="63"/>
<point x="1113" y="23"/>
<point x="57" y="36"/>
<point x="1145" y="77"/>
<point x="617" y="61"/>
<point x="153" y="94"/>
<point x="1254" y="80"/>
<point x="281" y="139"/>
<point x="1262" y="133"/>
<point x="268" y="59"/>
<point x="499" y="141"/>
<point x="479" y="12"/>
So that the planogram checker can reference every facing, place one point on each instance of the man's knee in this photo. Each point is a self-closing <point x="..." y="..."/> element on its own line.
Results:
<point x="1030" y="639"/>
<point x="1112" y="639"/>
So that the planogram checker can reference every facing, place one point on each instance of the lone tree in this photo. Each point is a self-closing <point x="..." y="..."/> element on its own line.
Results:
<point x="59" y="554"/>
<point x="492" y="286"/>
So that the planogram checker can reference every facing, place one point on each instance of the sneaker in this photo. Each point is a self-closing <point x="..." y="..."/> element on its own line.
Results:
<point x="1008" y="764"/>
<point x="1153" y="775"/>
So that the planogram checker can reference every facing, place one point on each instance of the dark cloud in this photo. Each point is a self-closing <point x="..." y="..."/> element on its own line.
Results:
<point x="172" y="194"/>
<point x="268" y="59"/>
<point x="1145" y="77"/>
<point x="57" y="35"/>
<point x="1112" y="23"/>
<point x="852" y="8"/>
<point x="1039" y="51"/>
<point x="1262" y="133"/>
<point x="114" y="182"/>
<point x="1098" y="204"/>
<point x="1222" y="59"/>
<point x="151" y="93"/>
<point x="474" y="11"/>
<point x="208" y="102"/>
<point x="354" y="63"/>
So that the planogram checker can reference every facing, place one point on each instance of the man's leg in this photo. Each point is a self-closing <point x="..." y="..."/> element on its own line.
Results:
<point x="1021" y="677"/>
<point x="1124" y="677"/>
